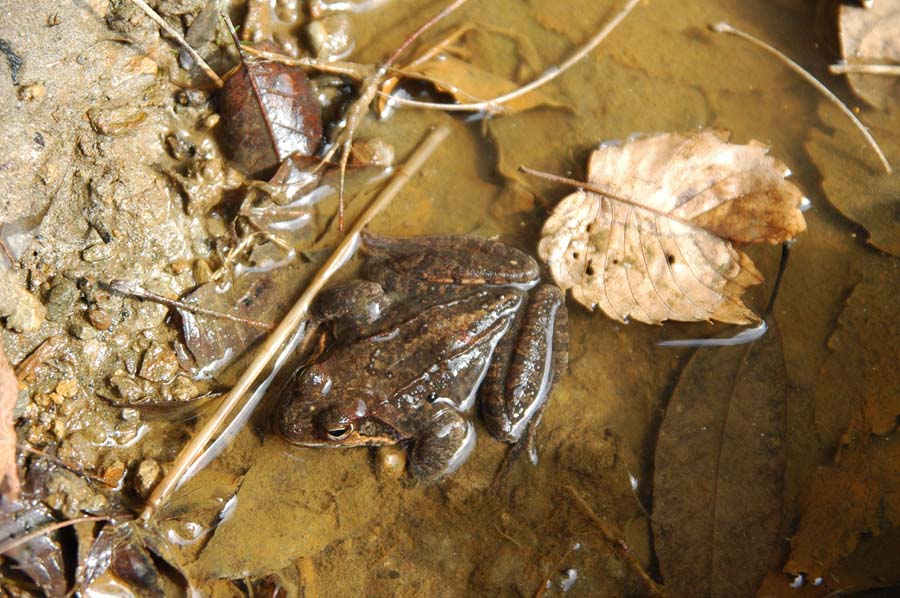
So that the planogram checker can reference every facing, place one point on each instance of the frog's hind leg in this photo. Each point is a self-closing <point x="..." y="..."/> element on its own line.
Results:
<point x="526" y="367"/>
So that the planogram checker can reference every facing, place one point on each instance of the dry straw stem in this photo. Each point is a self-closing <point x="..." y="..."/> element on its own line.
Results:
<point x="288" y="325"/>
<point x="494" y="105"/>
<point x="865" y="69"/>
<point x="723" y="27"/>
<point x="181" y="41"/>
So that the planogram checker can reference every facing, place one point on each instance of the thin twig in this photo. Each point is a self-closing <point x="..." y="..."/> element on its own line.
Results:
<point x="360" y="107"/>
<point x="123" y="287"/>
<point x="294" y="317"/>
<point x="39" y="356"/>
<point x="866" y="69"/>
<point x="613" y="537"/>
<point x="181" y="41"/>
<point x="723" y="27"/>
<point x="425" y="27"/>
<point x="494" y="105"/>
<point x="14" y="543"/>
<point x="27" y="448"/>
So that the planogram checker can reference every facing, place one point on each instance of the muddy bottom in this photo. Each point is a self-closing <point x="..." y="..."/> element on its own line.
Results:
<point x="115" y="168"/>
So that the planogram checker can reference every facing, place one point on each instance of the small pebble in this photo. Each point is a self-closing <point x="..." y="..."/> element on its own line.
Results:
<point x="145" y="477"/>
<point x="390" y="462"/>
<point x="202" y="272"/>
<point x="35" y="91"/>
<point x="211" y="121"/>
<point x="97" y="253"/>
<point x="112" y="474"/>
<point x="99" y="318"/>
<point x="160" y="364"/>
<point x="126" y="387"/>
<point x="67" y="388"/>
<point x="83" y="331"/>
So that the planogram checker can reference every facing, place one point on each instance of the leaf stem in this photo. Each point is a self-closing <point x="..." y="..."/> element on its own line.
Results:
<point x="723" y="27"/>
<point x="550" y="74"/>
<point x="294" y="317"/>
<point x="181" y="41"/>
<point x="123" y="287"/>
<point x="866" y="69"/>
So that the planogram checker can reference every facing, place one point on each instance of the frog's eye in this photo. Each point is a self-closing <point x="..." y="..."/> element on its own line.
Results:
<point x="339" y="432"/>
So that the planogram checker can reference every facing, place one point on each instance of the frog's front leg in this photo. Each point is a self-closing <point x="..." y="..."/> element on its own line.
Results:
<point x="444" y="445"/>
<point x="526" y="365"/>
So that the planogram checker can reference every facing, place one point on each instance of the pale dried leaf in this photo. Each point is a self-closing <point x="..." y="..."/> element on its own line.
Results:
<point x="9" y="392"/>
<point x="659" y="245"/>
<point x="872" y="35"/>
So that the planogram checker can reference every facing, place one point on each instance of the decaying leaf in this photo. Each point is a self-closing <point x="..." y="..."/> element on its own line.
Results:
<point x="268" y="113"/>
<point x="858" y="389"/>
<point x="657" y="245"/>
<point x="40" y="558"/>
<point x="717" y="489"/>
<point x="213" y="342"/>
<point x="845" y="502"/>
<point x="872" y="35"/>
<point x="463" y="80"/>
<point x="9" y="393"/>
<point x="852" y="182"/>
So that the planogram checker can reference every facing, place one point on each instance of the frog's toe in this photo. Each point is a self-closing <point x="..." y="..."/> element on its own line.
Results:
<point x="444" y="445"/>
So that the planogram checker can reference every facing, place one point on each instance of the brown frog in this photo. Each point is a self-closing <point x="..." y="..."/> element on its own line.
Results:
<point x="436" y="321"/>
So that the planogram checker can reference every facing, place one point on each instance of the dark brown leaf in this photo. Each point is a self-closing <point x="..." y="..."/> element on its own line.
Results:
<point x="719" y="466"/>
<point x="857" y="392"/>
<point x="120" y="549"/>
<point x="41" y="558"/>
<point x="215" y="342"/>
<point x="269" y="112"/>
<point x="847" y="503"/>
<point x="9" y="393"/>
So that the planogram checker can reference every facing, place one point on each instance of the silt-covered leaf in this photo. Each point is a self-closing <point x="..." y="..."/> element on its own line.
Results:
<point x="854" y="499"/>
<point x="719" y="466"/>
<point x="853" y="182"/>
<point x="658" y="245"/>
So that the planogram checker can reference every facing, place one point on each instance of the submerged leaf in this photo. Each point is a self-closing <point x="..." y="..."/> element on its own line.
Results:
<point x="872" y="35"/>
<point x="463" y="80"/>
<point x="269" y="112"/>
<point x="852" y="183"/>
<point x="658" y="244"/>
<point x="858" y="389"/>
<point x="858" y="497"/>
<point x="718" y="470"/>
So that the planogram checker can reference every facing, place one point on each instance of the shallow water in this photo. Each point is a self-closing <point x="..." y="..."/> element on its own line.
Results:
<point x="330" y="523"/>
<point x="662" y="70"/>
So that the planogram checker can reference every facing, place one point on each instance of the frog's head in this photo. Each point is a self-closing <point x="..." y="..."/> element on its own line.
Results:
<point x="317" y="414"/>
